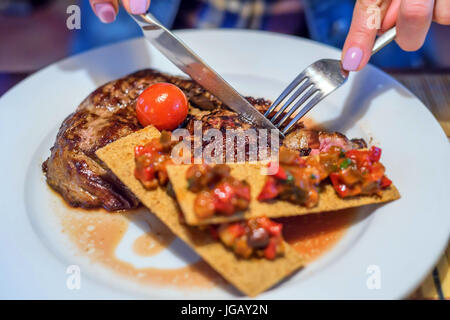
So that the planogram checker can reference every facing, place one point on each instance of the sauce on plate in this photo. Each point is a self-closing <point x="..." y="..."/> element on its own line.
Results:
<point x="150" y="244"/>
<point x="313" y="235"/>
<point x="97" y="234"/>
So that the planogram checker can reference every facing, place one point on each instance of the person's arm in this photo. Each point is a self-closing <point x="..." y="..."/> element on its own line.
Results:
<point x="106" y="10"/>
<point x="412" y="18"/>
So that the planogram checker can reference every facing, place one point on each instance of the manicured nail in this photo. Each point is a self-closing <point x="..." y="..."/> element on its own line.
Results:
<point x="105" y="12"/>
<point x="138" y="6"/>
<point x="352" y="59"/>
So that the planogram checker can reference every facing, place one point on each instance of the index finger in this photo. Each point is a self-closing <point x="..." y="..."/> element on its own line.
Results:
<point x="366" y="21"/>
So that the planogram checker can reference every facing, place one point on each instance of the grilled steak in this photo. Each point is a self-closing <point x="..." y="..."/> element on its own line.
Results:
<point x="108" y="113"/>
<point x="223" y="119"/>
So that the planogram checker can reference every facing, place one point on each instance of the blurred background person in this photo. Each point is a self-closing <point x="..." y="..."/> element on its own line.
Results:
<point x="33" y="33"/>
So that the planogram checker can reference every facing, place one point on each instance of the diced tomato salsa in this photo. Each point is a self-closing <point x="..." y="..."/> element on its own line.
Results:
<point x="360" y="173"/>
<point x="355" y="172"/>
<point x="259" y="237"/>
<point x="297" y="179"/>
<point x="217" y="191"/>
<point x="151" y="160"/>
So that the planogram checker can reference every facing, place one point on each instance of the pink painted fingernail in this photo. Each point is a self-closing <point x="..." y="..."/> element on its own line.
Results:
<point x="352" y="59"/>
<point x="105" y="12"/>
<point x="138" y="6"/>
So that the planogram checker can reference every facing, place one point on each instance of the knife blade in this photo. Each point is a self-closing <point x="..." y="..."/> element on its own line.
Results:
<point x="191" y="64"/>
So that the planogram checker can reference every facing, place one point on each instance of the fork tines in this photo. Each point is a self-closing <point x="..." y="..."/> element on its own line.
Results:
<point x="306" y="92"/>
<point x="312" y="85"/>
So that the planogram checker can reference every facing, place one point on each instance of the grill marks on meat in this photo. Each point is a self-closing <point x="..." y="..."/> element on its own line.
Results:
<point x="73" y="168"/>
<point x="106" y="115"/>
<point x="123" y="92"/>
<point x="223" y="119"/>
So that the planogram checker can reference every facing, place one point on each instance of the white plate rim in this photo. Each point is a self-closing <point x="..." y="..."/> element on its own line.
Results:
<point x="187" y="34"/>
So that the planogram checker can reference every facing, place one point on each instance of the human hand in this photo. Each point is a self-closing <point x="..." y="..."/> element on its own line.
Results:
<point x="106" y="10"/>
<point x="411" y="17"/>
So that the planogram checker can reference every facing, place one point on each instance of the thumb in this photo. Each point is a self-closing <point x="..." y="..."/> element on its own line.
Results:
<point x="366" y="21"/>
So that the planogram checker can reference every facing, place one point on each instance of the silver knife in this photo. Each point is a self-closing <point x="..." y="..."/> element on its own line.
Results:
<point x="190" y="63"/>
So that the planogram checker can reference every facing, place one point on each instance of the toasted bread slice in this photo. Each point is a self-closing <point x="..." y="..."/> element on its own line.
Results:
<point x="253" y="174"/>
<point x="251" y="276"/>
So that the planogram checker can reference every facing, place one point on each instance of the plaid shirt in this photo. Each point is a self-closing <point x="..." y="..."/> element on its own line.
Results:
<point x="285" y="16"/>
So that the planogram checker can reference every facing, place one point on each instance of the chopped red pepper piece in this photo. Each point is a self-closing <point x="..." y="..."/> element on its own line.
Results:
<point x="270" y="251"/>
<point x="224" y="192"/>
<point x="275" y="229"/>
<point x="385" y="182"/>
<point x="224" y="207"/>
<point x="281" y="173"/>
<point x="340" y="188"/>
<point x="269" y="190"/>
<point x="144" y="174"/>
<point x="271" y="226"/>
<point x="243" y="192"/>
<point x="236" y="229"/>
<point x="375" y="154"/>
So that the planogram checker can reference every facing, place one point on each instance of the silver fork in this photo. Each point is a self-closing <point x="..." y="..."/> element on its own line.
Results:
<point x="313" y="84"/>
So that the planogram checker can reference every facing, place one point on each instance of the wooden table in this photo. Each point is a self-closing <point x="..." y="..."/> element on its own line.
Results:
<point x="434" y="91"/>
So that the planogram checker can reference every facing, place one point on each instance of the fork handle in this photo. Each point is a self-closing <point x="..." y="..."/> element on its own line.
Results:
<point x="384" y="39"/>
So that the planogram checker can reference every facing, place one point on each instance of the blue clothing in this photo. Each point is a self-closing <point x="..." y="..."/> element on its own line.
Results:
<point x="326" y="21"/>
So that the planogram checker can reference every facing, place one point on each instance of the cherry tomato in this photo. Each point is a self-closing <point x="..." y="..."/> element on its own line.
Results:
<point x="163" y="105"/>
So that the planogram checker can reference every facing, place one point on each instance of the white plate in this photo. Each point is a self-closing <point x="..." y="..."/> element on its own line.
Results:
<point x="402" y="239"/>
